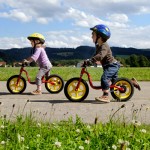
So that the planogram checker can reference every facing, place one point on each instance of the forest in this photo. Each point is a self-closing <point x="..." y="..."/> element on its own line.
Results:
<point x="128" y="57"/>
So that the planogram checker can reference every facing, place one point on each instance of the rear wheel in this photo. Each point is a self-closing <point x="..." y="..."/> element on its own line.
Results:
<point x="15" y="88"/>
<point x="126" y="93"/>
<point x="54" y="84"/>
<point x="76" y="95"/>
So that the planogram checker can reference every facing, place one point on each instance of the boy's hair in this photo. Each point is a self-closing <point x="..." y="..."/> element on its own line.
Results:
<point x="103" y="39"/>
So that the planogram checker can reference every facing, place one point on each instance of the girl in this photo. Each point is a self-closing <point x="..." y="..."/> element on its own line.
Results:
<point x="38" y="55"/>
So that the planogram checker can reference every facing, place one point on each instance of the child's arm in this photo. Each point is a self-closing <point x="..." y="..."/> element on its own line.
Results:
<point x="28" y="60"/>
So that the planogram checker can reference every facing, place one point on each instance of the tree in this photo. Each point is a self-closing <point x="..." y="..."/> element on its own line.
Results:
<point x="133" y="61"/>
<point x="143" y="61"/>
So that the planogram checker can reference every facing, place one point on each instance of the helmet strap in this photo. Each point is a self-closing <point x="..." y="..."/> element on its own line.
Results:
<point x="33" y="49"/>
<point x="97" y="37"/>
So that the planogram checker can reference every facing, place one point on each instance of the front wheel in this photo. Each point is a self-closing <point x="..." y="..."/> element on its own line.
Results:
<point x="73" y="94"/>
<point x="54" y="84"/>
<point x="126" y="92"/>
<point x="14" y="87"/>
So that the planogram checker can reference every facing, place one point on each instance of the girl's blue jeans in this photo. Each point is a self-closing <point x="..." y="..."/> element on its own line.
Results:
<point x="110" y="73"/>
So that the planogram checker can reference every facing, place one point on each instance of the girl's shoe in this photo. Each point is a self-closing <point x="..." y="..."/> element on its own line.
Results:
<point x="103" y="98"/>
<point x="36" y="92"/>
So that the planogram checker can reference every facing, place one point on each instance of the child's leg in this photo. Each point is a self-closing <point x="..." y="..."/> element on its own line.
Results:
<point x="109" y="71"/>
<point x="41" y="73"/>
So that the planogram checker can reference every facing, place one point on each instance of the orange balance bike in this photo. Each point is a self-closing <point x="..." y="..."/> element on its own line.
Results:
<point x="16" y="84"/>
<point x="76" y="89"/>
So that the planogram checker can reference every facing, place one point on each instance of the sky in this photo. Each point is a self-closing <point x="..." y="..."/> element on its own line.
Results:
<point x="67" y="23"/>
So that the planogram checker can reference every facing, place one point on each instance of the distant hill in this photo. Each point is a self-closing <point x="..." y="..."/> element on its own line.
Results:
<point x="81" y="52"/>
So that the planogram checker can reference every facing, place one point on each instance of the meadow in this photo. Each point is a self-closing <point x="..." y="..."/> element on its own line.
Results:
<point x="28" y="133"/>
<point x="141" y="74"/>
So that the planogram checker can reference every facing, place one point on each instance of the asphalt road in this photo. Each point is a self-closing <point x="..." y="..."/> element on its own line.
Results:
<point x="56" y="107"/>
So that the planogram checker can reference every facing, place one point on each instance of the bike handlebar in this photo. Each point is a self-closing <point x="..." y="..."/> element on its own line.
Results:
<point x="23" y="64"/>
<point x="84" y="64"/>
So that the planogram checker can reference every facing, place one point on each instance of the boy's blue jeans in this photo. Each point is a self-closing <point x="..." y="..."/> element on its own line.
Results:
<point x="110" y="73"/>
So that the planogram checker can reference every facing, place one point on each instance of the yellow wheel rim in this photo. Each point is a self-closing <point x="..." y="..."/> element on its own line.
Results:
<point x="76" y="94"/>
<point x="128" y="89"/>
<point x="14" y="87"/>
<point x="54" y="84"/>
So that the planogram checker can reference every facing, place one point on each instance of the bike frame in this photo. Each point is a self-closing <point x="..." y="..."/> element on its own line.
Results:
<point x="28" y="78"/>
<point x="84" y="71"/>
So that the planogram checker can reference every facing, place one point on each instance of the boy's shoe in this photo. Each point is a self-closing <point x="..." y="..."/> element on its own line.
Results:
<point x="36" y="92"/>
<point x="103" y="98"/>
<point x="135" y="83"/>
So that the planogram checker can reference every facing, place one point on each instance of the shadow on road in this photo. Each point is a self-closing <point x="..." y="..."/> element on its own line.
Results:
<point x="5" y="93"/>
<point x="60" y="101"/>
<point x="28" y="93"/>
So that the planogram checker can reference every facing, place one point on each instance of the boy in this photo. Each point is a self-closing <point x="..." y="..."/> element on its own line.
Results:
<point x="100" y="34"/>
<point x="38" y="55"/>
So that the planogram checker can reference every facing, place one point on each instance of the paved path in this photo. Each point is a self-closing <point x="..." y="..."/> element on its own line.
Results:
<point x="56" y="107"/>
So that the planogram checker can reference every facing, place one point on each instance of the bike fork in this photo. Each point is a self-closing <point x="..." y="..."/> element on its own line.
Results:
<point x="78" y="83"/>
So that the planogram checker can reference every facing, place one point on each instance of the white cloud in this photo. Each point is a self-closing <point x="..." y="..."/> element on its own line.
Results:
<point x="122" y="18"/>
<point x="137" y="37"/>
<point x="10" y="42"/>
<point x="16" y="15"/>
<point x="79" y="16"/>
<point x="37" y="10"/>
<point x="101" y="8"/>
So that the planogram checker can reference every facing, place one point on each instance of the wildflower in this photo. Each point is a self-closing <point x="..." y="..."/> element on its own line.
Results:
<point x="136" y="123"/>
<point x="3" y="142"/>
<point x="38" y="124"/>
<point x="58" y="144"/>
<point x="143" y="130"/>
<point x="20" y="138"/>
<point x="2" y="126"/>
<point x="38" y="135"/>
<point x="120" y="141"/>
<point x="81" y="147"/>
<point x="27" y="147"/>
<point x="87" y="141"/>
<point x="88" y="127"/>
<point x="78" y="130"/>
<point x="127" y="143"/>
<point x="114" y="147"/>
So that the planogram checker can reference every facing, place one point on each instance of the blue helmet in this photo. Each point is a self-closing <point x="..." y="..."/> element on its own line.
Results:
<point x="102" y="30"/>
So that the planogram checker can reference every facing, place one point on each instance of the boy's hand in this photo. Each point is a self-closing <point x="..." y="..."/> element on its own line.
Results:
<point x="88" y="62"/>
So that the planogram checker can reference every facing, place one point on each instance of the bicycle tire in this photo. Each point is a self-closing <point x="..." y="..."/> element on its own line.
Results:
<point x="55" y="84"/>
<point x="73" y="95"/>
<point x="11" y="84"/>
<point x="122" y="95"/>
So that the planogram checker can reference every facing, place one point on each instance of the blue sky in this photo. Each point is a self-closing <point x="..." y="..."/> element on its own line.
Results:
<point x="66" y="23"/>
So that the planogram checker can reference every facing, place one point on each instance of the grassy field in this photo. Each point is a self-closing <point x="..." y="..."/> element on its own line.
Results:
<point x="142" y="74"/>
<point x="29" y="134"/>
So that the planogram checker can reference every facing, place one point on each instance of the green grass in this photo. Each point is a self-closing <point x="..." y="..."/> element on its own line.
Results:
<point x="142" y="74"/>
<point x="28" y="133"/>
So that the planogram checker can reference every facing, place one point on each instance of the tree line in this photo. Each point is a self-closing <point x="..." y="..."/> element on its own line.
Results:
<point x="130" y="61"/>
<point x="134" y="61"/>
